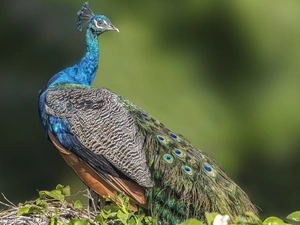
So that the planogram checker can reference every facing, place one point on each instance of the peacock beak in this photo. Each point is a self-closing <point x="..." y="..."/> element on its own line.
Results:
<point x="112" y="27"/>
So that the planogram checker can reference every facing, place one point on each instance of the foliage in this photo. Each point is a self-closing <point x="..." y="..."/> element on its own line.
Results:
<point x="121" y="214"/>
<point x="53" y="208"/>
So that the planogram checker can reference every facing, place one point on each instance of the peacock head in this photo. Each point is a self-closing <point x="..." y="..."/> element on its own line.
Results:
<point x="98" y="24"/>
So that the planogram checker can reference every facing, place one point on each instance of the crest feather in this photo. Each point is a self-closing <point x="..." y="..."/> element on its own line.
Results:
<point x="85" y="14"/>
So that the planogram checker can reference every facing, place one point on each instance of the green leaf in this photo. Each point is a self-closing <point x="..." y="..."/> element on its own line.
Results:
<point x="27" y="209"/>
<point x="59" y="187"/>
<point x="112" y="207"/>
<point x="273" y="221"/>
<point x="78" y="204"/>
<point x="35" y="209"/>
<point x="148" y="219"/>
<point x="42" y="194"/>
<point x="139" y="216"/>
<point x="108" y="214"/>
<point x="210" y="217"/>
<point x="192" y="222"/>
<point x="133" y="221"/>
<point x="99" y="218"/>
<point x="295" y="216"/>
<point x="66" y="191"/>
<point x="122" y="215"/>
<point x="55" y="194"/>
<point x="23" y="210"/>
<point x="125" y="203"/>
<point x="41" y="203"/>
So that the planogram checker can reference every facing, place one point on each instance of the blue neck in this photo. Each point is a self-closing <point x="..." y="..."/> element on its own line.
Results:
<point x="89" y="63"/>
<point x="83" y="72"/>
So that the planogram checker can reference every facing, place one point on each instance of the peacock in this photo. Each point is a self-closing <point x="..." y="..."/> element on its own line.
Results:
<point x="115" y="146"/>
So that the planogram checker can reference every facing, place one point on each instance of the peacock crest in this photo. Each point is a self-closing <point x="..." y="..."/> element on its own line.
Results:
<point x="85" y="15"/>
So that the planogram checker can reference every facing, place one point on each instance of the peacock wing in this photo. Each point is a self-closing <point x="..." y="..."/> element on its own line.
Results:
<point x="99" y="183"/>
<point x="94" y="125"/>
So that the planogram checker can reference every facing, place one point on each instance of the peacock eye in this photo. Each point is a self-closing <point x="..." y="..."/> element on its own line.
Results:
<point x="99" y="23"/>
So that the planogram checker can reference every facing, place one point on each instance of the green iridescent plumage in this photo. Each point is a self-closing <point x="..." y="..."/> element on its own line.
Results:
<point x="187" y="181"/>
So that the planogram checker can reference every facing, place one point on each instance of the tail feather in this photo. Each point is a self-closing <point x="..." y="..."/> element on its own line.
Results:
<point x="187" y="182"/>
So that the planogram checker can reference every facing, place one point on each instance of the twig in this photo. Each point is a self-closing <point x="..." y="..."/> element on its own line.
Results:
<point x="2" y="203"/>
<point x="12" y="204"/>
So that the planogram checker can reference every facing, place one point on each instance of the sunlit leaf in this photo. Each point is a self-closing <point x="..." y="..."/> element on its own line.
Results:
<point x="55" y="194"/>
<point x="192" y="222"/>
<point x="66" y="191"/>
<point x="210" y="217"/>
<point x="122" y="215"/>
<point x="23" y="210"/>
<point x="59" y="187"/>
<point x="273" y="221"/>
<point x="29" y="209"/>
<point x="295" y="216"/>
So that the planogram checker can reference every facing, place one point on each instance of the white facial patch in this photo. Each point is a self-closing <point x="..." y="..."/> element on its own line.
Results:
<point x="96" y="24"/>
<point x="100" y="27"/>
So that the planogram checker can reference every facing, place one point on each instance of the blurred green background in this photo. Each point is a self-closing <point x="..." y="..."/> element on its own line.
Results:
<point x="225" y="74"/>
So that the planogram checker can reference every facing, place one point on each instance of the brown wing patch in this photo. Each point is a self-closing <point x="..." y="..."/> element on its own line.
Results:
<point x="98" y="182"/>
